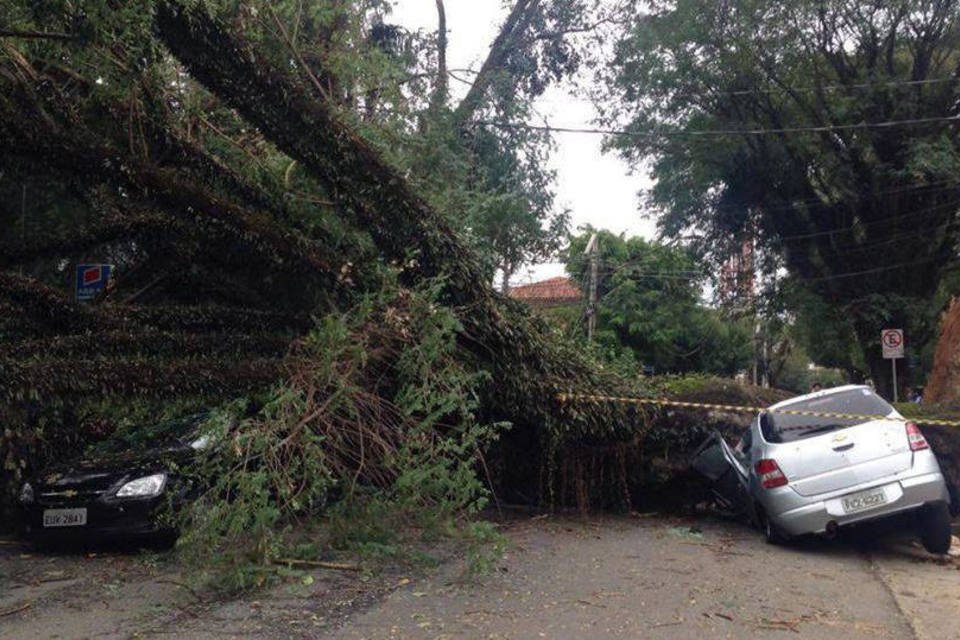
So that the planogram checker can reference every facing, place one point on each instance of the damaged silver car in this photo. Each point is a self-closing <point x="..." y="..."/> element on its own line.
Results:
<point x="801" y="470"/>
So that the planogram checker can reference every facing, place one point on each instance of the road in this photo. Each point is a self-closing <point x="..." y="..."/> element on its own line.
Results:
<point x="678" y="579"/>
<point x="641" y="577"/>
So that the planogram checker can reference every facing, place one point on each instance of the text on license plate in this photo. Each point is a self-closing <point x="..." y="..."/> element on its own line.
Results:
<point x="864" y="500"/>
<point x="64" y="517"/>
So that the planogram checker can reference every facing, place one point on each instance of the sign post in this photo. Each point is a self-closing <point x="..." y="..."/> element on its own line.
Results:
<point x="91" y="280"/>
<point x="892" y="342"/>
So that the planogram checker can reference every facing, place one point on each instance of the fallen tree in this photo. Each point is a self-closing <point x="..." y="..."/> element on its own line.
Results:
<point x="527" y="367"/>
<point x="436" y="354"/>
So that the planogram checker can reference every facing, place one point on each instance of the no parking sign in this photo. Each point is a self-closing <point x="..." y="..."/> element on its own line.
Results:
<point x="892" y="342"/>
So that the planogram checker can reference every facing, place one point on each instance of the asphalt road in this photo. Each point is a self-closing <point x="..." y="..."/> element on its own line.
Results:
<point x="655" y="578"/>
<point x="647" y="577"/>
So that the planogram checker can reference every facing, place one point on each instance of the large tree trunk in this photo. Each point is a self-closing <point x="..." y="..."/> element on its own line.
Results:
<point x="527" y="367"/>
<point x="510" y="33"/>
<point x="309" y="131"/>
<point x="943" y="386"/>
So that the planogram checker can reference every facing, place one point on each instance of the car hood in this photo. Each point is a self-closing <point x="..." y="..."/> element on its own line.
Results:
<point x="102" y="472"/>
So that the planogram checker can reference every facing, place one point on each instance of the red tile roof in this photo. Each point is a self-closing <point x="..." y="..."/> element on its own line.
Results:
<point x="554" y="292"/>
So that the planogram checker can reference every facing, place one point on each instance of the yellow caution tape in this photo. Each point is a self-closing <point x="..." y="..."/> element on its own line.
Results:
<point x="663" y="402"/>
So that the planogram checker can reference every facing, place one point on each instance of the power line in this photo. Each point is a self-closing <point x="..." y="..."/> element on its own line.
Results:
<point x="852" y="274"/>
<point x="835" y="87"/>
<point x="952" y="182"/>
<point x="870" y="223"/>
<point x="650" y="133"/>
<point x="773" y="90"/>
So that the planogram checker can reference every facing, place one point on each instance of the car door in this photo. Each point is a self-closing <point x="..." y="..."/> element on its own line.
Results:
<point x="726" y="472"/>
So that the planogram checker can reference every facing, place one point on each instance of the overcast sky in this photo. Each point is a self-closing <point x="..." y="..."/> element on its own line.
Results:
<point x="596" y="187"/>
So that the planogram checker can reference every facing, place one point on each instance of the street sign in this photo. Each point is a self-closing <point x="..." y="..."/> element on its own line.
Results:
<point x="91" y="280"/>
<point x="892" y="341"/>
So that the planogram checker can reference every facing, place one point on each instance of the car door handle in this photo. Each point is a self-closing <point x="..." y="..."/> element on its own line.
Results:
<point x="844" y="447"/>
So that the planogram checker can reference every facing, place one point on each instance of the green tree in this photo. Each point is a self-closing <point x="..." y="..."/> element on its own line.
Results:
<point x="650" y="311"/>
<point x="841" y="157"/>
<point x="248" y="163"/>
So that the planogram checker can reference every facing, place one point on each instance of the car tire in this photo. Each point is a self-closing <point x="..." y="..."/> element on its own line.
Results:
<point x="935" y="532"/>
<point x="771" y="532"/>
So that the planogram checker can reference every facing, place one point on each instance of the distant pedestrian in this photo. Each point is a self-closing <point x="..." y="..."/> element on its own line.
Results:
<point x="816" y="386"/>
<point x="916" y="395"/>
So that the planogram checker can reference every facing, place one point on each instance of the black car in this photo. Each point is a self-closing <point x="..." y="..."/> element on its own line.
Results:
<point x="128" y="487"/>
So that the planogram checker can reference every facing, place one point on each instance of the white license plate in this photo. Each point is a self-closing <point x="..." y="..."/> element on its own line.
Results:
<point x="64" y="517"/>
<point x="864" y="500"/>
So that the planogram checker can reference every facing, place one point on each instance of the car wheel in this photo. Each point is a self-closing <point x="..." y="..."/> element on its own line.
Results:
<point x="935" y="533"/>
<point x="770" y="531"/>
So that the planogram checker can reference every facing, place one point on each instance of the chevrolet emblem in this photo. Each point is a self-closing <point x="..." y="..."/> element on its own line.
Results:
<point x="66" y="493"/>
<point x="839" y="437"/>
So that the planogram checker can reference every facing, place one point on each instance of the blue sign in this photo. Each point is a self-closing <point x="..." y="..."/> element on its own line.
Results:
<point x="91" y="280"/>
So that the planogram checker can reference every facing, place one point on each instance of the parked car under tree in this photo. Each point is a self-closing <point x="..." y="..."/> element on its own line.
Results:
<point x="800" y="469"/>
<point x="128" y="487"/>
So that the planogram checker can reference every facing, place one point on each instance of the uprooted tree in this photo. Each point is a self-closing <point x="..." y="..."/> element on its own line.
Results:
<point x="277" y="238"/>
<point x="241" y="185"/>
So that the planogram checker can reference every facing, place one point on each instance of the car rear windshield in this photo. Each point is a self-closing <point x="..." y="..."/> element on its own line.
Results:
<point x="781" y="427"/>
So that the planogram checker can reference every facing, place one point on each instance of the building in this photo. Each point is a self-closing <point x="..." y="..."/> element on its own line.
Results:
<point x="549" y="294"/>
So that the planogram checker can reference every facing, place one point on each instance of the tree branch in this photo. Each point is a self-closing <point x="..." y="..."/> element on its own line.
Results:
<point x="36" y="35"/>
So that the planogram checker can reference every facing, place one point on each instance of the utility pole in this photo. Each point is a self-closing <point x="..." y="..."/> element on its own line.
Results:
<point x="592" y="251"/>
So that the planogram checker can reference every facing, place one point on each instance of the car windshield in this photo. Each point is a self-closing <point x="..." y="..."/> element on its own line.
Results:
<point x="158" y="435"/>
<point x="782" y="427"/>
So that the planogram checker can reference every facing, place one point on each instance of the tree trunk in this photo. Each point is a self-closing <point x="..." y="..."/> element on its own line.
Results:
<point x="441" y="90"/>
<point x="527" y="367"/>
<point x="516" y="22"/>
<point x="505" y="281"/>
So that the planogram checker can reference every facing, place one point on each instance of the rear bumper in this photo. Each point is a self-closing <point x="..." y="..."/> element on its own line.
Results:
<point x="904" y="494"/>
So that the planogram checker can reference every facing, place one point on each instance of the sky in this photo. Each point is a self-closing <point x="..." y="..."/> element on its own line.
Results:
<point x="596" y="187"/>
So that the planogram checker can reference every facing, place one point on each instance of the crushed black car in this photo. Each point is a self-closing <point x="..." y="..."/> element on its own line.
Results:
<point x="128" y="487"/>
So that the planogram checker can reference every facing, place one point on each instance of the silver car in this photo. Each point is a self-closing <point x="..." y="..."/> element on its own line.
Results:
<point x="795" y="474"/>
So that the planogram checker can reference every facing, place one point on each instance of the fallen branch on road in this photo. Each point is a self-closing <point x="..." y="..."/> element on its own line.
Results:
<point x="17" y="609"/>
<point x="336" y="566"/>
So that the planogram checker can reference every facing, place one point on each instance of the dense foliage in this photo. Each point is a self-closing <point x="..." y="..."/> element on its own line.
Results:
<point x="821" y="130"/>
<point x="169" y="139"/>
<point x="650" y="312"/>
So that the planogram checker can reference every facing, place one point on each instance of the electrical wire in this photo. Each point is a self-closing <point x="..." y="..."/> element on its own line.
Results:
<point x="870" y="223"/>
<point x="650" y="133"/>
<point x="776" y="90"/>
<point x="953" y="184"/>
<point x="836" y="87"/>
<point x="864" y="272"/>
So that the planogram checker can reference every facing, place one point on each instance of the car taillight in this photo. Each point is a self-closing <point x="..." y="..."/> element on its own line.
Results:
<point x="915" y="437"/>
<point x="770" y="475"/>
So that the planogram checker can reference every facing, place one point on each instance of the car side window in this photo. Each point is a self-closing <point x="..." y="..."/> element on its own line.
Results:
<point x="742" y="449"/>
<point x="767" y="429"/>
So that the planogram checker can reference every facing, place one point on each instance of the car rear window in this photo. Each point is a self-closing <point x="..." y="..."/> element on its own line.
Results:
<point x="781" y="427"/>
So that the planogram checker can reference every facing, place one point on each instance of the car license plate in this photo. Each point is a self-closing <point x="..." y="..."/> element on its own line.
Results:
<point x="64" y="517"/>
<point x="864" y="500"/>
